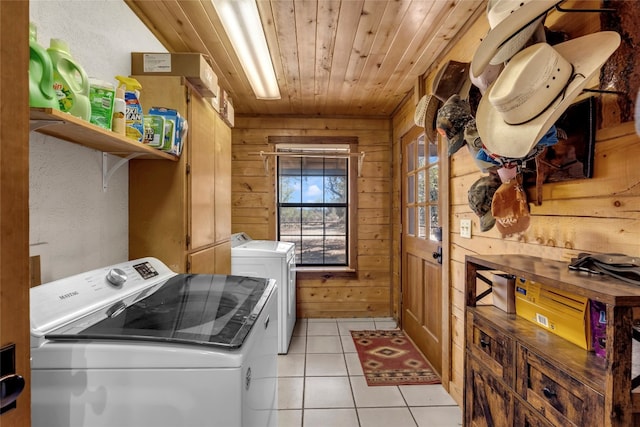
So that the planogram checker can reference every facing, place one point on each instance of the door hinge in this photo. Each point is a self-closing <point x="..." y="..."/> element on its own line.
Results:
<point x="188" y="169"/>
<point x="187" y="241"/>
<point x="188" y="266"/>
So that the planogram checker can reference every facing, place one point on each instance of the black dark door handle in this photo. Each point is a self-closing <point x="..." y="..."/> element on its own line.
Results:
<point x="438" y="255"/>
<point x="10" y="388"/>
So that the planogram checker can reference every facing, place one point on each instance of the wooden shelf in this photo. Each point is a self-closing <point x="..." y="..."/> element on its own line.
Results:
<point x="73" y="129"/>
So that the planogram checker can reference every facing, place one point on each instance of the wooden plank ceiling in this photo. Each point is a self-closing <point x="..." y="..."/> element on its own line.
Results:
<point x="332" y="57"/>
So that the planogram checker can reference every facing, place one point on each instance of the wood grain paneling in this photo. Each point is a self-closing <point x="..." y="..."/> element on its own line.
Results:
<point x="365" y="293"/>
<point x="331" y="57"/>
<point x="598" y="214"/>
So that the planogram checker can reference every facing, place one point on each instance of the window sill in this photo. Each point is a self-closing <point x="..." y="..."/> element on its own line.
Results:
<point x="325" y="272"/>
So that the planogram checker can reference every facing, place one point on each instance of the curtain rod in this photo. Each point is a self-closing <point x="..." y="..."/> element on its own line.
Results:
<point x="265" y="157"/>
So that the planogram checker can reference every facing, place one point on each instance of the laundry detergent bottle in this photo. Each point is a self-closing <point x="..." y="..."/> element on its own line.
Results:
<point x="41" y="93"/>
<point x="69" y="81"/>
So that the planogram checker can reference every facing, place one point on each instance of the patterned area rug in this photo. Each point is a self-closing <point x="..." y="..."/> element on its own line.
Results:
<point x="391" y="358"/>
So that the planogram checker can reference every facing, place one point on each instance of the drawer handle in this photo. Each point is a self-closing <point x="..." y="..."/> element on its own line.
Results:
<point x="484" y="344"/>
<point x="548" y="393"/>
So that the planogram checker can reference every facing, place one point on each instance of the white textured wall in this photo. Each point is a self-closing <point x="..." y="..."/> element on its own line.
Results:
<point x="74" y="225"/>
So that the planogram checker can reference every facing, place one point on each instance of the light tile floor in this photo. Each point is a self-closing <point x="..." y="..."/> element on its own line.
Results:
<point x="321" y="384"/>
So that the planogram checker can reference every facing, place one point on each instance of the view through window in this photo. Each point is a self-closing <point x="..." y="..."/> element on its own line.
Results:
<point x="313" y="203"/>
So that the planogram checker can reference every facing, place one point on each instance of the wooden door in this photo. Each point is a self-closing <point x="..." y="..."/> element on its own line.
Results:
<point x="14" y="208"/>
<point x="422" y="295"/>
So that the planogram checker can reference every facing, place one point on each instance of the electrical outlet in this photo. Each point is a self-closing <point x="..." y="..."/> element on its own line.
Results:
<point x="465" y="228"/>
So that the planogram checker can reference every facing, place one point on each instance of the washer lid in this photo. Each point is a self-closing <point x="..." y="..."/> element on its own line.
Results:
<point x="60" y="302"/>
<point x="202" y="309"/>
<point x="263" y="248"/>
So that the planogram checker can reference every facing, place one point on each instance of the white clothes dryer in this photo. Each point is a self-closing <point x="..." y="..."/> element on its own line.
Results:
<point x="137" y="345"/>
<point x="274" y="260"/>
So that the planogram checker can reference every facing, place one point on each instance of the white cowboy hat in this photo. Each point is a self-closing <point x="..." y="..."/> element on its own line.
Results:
<point x="514" y="24"/>
<point x="535" y="88"/>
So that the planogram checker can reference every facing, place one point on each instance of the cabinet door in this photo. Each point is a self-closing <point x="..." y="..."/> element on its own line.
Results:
<point x="493" y="347"/>
<point x="158" y="188"/>
<point x="202" y="134"/>
<point x="213" y="260"/>
<point x="222" y="181"/>
<point x="489" y="403"/>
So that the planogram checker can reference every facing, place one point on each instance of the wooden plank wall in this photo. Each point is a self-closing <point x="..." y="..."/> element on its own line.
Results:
<point x="254" y="210"/>
<point x="599" y="214"/>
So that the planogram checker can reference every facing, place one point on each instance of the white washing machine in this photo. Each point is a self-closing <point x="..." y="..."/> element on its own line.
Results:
<point x="136" y="345"/>
<point x="275" y="260"/>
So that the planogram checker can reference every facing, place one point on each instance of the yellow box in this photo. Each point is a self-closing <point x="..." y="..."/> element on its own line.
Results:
<point x="193" y="66"/>
<point x="563" y="313"/>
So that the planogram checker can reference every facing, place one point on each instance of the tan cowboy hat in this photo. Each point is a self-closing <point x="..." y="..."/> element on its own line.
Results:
<point x="514" y="22"/>
<point x="425" y="116"/>
<point x="535" y="88"/>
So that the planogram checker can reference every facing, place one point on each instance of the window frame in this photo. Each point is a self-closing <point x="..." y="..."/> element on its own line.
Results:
<point x="352" y="200"/>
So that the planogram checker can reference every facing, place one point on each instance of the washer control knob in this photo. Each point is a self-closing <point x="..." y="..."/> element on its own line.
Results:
<point x="116" y="277"/>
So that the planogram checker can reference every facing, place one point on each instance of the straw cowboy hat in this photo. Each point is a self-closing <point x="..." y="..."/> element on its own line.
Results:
<point x="425" y="116"/>
<point x="512" y="24"/>
<point x="535" y="88"/>
<point x="452" y="78"/>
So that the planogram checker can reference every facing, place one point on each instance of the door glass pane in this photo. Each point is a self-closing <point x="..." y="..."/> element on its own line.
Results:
<point x="422" y="222"/>
<point x="421" y="187"/>
<point x="411" y="189"/>
<point x="433" y="183"/>
<point x="411" y="165"/>
<point x="435" y="222"/>
<point x="411" y="221"/>
<point x="421" y="153"/>
<point x="433" y="152"/>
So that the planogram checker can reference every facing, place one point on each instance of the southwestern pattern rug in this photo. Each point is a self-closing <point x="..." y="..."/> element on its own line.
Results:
<point x="389" y="357"/>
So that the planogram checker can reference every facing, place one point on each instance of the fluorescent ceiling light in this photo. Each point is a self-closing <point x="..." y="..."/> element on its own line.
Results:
<point x="241" y="21"/>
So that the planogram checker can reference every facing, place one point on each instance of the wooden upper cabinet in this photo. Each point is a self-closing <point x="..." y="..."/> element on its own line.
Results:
<point x="173" y="213"/>
<point x="202" y="175"/>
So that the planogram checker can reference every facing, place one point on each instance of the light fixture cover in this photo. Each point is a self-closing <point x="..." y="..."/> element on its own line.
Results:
<point x="241" y="21"/>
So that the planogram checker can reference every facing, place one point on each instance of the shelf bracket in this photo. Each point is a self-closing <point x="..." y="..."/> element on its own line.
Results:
<point x="107" y="173"/>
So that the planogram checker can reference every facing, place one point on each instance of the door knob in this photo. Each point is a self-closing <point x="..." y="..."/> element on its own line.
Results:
<point x="438" y="255"/>
<point x="10" y="388"/>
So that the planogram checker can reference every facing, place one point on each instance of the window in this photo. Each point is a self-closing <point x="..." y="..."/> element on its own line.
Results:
<point x="314" y="192"/>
